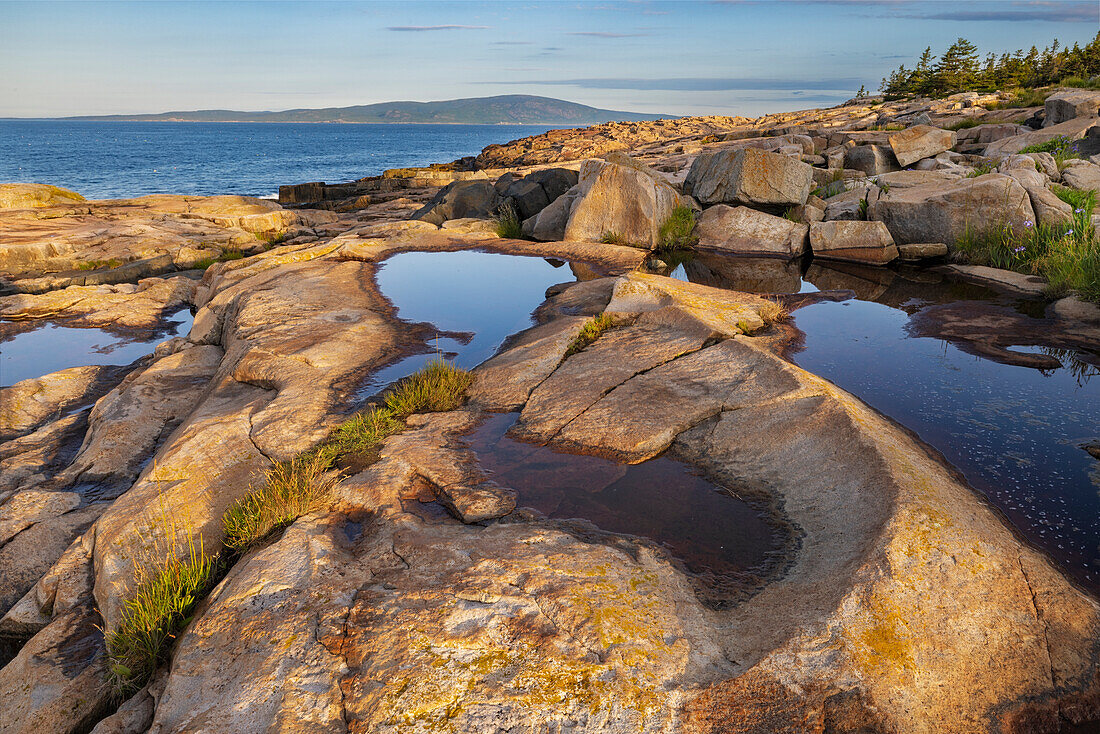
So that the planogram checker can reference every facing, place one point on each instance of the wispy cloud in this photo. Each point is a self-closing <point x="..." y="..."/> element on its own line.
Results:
<point x="420" y="28"/>
<point x="604" y="34"/>
<point x="698" y="84"/>
<point x="1055" y="11"/>
<point x="512" y="43"/>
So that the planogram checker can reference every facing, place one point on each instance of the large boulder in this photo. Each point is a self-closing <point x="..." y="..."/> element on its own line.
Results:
<point x="744" y="231"/>
<point x="920" y="141"/>
<point x="871" y="159"/>
<point x="853" y="241"/>
<point x="1073" y="129"/>
<point x="623" y="198"/>
<point x="35" y="196"/>
<point x="549" y="224"/>
<point x="945" y="212"/>
<point x="1081" y="175"/>
<point x="748" y="176"/>
<point x="1070" y="104"/>
<point x="534" y="192"/>
<point x="460" y="200"/>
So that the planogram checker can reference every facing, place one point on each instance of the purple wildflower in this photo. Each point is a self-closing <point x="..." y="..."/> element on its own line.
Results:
<point x="1029" y="223"/>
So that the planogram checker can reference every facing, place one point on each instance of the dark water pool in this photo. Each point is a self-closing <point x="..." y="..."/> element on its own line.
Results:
<point x="474" y="299"/>
<point x="948" y="360"/>
<point x="33" y="349"/>
<point x="725" y="543"/>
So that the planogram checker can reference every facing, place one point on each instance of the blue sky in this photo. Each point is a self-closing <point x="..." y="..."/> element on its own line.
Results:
<point x="680" y="57"/>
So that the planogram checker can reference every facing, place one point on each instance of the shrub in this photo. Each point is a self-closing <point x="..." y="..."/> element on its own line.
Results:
<point x="1080" y="82"/>
<point x="589" y="333"/>
<point x="506" y="223"/>
<point x="291" y="489"/>
<point x="167" y="590"/>
<point x="675" y="232"/>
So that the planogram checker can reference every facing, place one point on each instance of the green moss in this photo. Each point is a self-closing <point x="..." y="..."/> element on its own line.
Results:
<point x="98" y="264"/>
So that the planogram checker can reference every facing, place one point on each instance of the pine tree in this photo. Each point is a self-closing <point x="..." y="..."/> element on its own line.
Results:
<point x="920" y="81"/>
<point x="957" y="68"/>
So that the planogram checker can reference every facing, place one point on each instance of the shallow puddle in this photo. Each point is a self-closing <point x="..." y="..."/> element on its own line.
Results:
<point x="474" y="299"/>
<point x="725" y="543"/>
<point x="931" y="353"/>
<point x="53" y="346"/>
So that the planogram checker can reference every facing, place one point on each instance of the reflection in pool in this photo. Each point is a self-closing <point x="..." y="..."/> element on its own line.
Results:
<point x="475" y="299"/>
<point x="931" y="353"/>
<point x="53" y="346"/>
<point x="727" y="544"/>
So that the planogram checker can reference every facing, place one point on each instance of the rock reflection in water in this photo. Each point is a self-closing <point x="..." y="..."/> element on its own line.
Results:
<point x="728" y="544"/>
<point x="50" y="346"/>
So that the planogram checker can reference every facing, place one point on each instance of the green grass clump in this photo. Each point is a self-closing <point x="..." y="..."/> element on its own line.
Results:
<point x="982" y="168"/>
<point x="167" y="590"/>
<point x="1067" y="255"/>
<point x="1081" y="82"/>
<point x="291" y="489"/>
<point x="890" y="126"/>
<point x="964" y="124"/>
<point x="589" y="333"/>
<point x="614" y="238"/>
<point x="1023" y="98"/>
<point x="231" y="254"/>
<point x="676" y="232"/>
<point x="438" y="387"/>
<point x="272" y="238"/>
<point x="506" y="224"/>
<point x="98" y="264"/>
<point x="1061" y="147"/>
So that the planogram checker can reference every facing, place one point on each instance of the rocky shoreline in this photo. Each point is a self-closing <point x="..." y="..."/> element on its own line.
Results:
<point x="422" y="598"/>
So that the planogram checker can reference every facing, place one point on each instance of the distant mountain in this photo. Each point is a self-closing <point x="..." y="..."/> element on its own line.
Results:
<point x="513" y="109"/>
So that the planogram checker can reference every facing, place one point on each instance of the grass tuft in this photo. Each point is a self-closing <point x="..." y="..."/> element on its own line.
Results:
<point x="291" y="489"/>
<point x="506" y="224"/>
<point x="230" y="254"/>
<point x="1023" y="98"/>
<point x="614" y="238"/>
<point x="167" y="590"/>
<point x="1061" y="147"/>
<point x="589" y="333"/>
<point x="272" y="238"/>
<point x="438" y="387"/>
<point x="676" y="232"/>
<point x="982" y="168"/>
<point x="774" y="312"/>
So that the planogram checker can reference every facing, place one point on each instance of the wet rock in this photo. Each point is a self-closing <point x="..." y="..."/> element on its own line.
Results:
<point x="861" y="242"/>
<point x="35" y="196"/>
<point x="57" y="682"/>
<point x="1006" y="280"/>
<point x="744" y="231"/>
<point x="944" y="213"/>
<point x="622" y="198"/>
<point x="460" y="200"/>
<point x="915" y="252"/>
<point x="1069" y="104"/>
<point x="920" y="141"/>
<point x="871" y="159"/>
<point x="750" y="176"/>
<point x="30" y="404"/>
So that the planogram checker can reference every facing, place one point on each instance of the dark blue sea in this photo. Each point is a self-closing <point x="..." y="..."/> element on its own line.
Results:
<point x="103" y="160"/>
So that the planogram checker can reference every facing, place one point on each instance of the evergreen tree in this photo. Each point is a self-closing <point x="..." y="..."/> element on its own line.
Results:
<point x="957" y="68"/>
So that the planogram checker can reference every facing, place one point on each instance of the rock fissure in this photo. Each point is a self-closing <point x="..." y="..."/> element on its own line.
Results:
<point x="1039" y="617"/>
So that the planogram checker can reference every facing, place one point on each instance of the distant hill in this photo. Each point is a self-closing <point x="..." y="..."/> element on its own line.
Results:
<point x="514" y="109"/>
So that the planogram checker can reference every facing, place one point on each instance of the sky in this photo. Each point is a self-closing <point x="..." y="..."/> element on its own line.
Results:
<point x="680" y="57"/>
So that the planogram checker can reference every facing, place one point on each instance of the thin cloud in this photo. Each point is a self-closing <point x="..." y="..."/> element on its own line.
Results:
<point x="512" y="43"/>
<point x="604" y="34"/>
<point x="1063" y="14"/>
<point x="698" y="84"/>
<point x="421" y="28"/>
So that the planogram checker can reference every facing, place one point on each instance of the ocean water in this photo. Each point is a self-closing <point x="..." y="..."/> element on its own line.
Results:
<point x="104" y="160"/>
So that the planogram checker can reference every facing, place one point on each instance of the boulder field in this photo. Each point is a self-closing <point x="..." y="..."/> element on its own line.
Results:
<point x="426" y="597"/>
